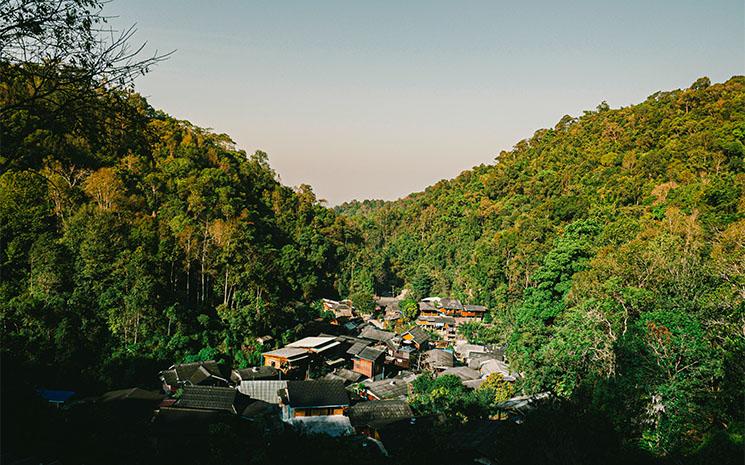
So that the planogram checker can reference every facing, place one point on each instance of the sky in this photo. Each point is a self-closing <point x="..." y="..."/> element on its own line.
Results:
<point x="380" y="99"/>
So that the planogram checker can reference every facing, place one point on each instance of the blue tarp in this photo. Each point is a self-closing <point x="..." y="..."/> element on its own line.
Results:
<point x="56" y="397"/>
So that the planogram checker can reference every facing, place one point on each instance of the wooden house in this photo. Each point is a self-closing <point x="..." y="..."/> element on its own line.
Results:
<point x="416" y="337"/>
<point x="314" y="398"/>
<point x="473" y="311"/>
<point x="436" y="360"/>
<point x="376" y="335"/>
<point x="450" y="307"/>
<point x="400" y="355"/>
<point x="369" y="362"/>
<point x="287" y="359"/>
<point x="428" y="309"/>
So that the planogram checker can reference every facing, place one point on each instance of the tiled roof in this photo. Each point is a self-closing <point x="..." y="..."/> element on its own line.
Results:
<point x="185" y="371"/>
<point x="427" y="307"/>
<point x="475" y="308"/>
<point x="451" y="304"/>
<point x="255" y="373"/>
<point x="266" y="390"/>
<point x="316" y="393"/>
<point x="437" y="358"/>
<point x="379" y="412"/>
<point x="419" y="335"/>
<point x="376" y="334"/>
<point x="357" y="347"/>
<point x="464" y="373"/>
<point x="388" y="388"/>
<point x="370" y="353"/>
<point x="212" y="398"/>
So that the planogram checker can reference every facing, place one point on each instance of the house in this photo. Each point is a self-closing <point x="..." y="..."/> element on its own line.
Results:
<point x="451" y="307"/>
<point x="314" y="398"/>
<point x="391" y="388"/>
<point x="439" y="323"/>
<point x="463" y="350"/>
<point x="325" y="345"/>
<point x="497" y="366"/>
<point x="344" y="375"/>
<point x="254" y="374"/>
<point x="476" y="359"/>
<point x="357" y="347"/>
<point x="287" y="359"/>
<point x="263" y="340"/>
<point x="367" y="417"/>
<point x="174" y="423"/>
<point x="263" y="390"/>
<point x="444" y="325"/>
<point x="416" y="337"/>
<point x="207" y="373"/>
<point x="131" y="396"/>
<point x="473" y="311"/>
<point x="464" y="373"/>
<point x="392" y="313"/>
<point x="217" y="398"/>
<point x="399" y="355"/>
<point x="436" y="360"/>
<point x="351" y="346"/>
<point x="342" y="310"/>
<point x="428" y="309"/>
<point x="376" y="335"/>
<point x="369" y="362"/>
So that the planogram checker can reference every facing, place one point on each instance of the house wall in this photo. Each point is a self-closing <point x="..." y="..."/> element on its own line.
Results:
<point x="272" y="361"/>
<point x="317" y="412"/>
<point x="364" y="367"/>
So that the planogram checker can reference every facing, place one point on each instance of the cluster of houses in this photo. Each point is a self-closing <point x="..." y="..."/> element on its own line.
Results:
<point x="353" y="376"/>
<point x="349" y="375"/>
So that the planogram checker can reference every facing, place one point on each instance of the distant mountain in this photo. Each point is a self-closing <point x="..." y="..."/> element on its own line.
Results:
<point x="483" y="234"/>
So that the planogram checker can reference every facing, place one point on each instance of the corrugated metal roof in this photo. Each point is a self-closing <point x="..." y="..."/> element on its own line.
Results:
<point x="288" y="352"/>
<point x="265" y="390"/>
<point x="311" y="342"/>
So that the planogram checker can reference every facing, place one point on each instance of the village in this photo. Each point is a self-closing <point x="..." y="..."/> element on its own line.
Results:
<point x="350" y="378"/>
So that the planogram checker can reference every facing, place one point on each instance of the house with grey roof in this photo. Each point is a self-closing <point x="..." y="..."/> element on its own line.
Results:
<point x="366" y="417"/>
<point x="217" y="398"/>
<point x="264" y="390"/>
<point x="314" y="398"/>
<point x="205" y="373"/>
<point x="436" y="360"/>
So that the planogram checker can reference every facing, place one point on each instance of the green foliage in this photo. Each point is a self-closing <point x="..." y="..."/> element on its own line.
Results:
<point x="496" y="388"/>
<point x="140" y="234"/>
<point x="581" y="237"/>
<point x="409" y="309"/>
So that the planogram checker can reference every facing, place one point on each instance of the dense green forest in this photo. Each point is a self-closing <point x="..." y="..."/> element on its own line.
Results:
<point x="610" y="251"/>
<point x="129" y="233"/>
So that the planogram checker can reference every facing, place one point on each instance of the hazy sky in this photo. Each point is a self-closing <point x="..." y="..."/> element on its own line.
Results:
<point x="380" y="99"/>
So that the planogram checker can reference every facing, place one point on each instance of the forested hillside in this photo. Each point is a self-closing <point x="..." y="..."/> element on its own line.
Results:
<point x="610" y="251"/>
<point x="127" y="236"/>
